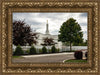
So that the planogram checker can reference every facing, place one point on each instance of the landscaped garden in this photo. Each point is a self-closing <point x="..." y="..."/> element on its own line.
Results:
<point x="33" y="51"/>
<point x="78" y="55"/>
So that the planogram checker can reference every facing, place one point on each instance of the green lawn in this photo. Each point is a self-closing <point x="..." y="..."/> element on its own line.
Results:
<point x="73" y="60"/>
<point x="69" y="51"/>
<point x="16" y="56"/>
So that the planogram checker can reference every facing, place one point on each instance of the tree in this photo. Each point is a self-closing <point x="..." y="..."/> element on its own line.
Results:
<point x="84" y="43"/>
<point x="70" y="32"/>
<point x="22" y="34"/>
<point x="48" y="42"/>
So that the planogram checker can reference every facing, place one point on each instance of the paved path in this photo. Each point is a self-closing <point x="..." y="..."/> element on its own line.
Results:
<point x="45" y="58"/>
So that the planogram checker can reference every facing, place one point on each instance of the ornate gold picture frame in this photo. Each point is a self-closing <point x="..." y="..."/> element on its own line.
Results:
<point x="8" y="7"/>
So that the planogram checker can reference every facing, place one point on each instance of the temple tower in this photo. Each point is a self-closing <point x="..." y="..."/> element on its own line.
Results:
<point x="47" y="29"/>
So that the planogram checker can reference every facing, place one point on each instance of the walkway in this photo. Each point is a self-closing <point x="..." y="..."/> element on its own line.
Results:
<point x="45" y="58"/>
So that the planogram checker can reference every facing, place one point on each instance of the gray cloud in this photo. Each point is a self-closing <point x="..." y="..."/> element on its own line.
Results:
<point x="85" y="32"/>
<point x="55" y="32"/>
<point x="32" y="22"/>
<point x="83" y="24"/>
<point x="83" y="15"/>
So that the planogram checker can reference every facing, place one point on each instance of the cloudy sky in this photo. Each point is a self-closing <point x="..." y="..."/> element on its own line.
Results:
<point x="38" y="21"/>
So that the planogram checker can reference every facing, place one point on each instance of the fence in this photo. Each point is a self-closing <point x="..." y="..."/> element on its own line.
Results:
<point x="67" y="48"/>
<point x="64" y="48"/>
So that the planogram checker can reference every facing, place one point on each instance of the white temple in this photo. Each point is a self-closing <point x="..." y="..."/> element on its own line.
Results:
<point x="41" y="37"/>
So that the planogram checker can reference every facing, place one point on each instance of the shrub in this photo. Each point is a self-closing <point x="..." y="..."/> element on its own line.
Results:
<point x="40" y="50"/>
<point x="53" y="49"/>
<point x="18" y="51"/>
<point x="78" y="54"/>
<point x="86" y="55"/>
<point x="44" y="50"/>
<point x="32" y="50"/>
<point x="27" y="51"/>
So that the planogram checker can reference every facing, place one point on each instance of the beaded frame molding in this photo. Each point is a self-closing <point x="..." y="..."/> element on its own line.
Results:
<point x="8" y="7"/>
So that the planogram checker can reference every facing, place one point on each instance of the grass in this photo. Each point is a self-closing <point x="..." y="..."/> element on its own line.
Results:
<point x="69" y="51"/>
<point x="74" y="60"/>
<point x="16" y="56"/>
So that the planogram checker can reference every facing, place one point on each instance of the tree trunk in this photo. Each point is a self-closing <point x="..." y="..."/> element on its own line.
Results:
<point x="70" y="47"/>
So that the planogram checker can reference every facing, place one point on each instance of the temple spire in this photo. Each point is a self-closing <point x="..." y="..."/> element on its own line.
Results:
<point x="47" y="29"/>
<point x="47" y="21"/>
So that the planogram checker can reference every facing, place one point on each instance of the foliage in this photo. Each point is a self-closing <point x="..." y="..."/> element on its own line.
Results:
<point x="32" y="50"/>
<point x="71" y="51"/>
<point x="17" y="57"/>
<point x="70" y="32"/>
<point x="48" y="42"/>
<point x="80" y="44"/>
<point x="22" y="34"/>
<point x="66" y="43"/>
<point x="27" y="51"/>
<point x="18" y="51"/>
<point x="78" y="54"/>
<point x="40" y="50"/>
<point x="44" y="50"/>
<point x="72" y="60"/>
<point x="53" y="49"/>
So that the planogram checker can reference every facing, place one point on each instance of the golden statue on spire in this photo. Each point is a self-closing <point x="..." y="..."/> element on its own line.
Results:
<point x="47" y="21"/>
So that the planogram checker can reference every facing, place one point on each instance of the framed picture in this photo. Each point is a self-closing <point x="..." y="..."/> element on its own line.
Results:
<point x="49" y="37"/>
